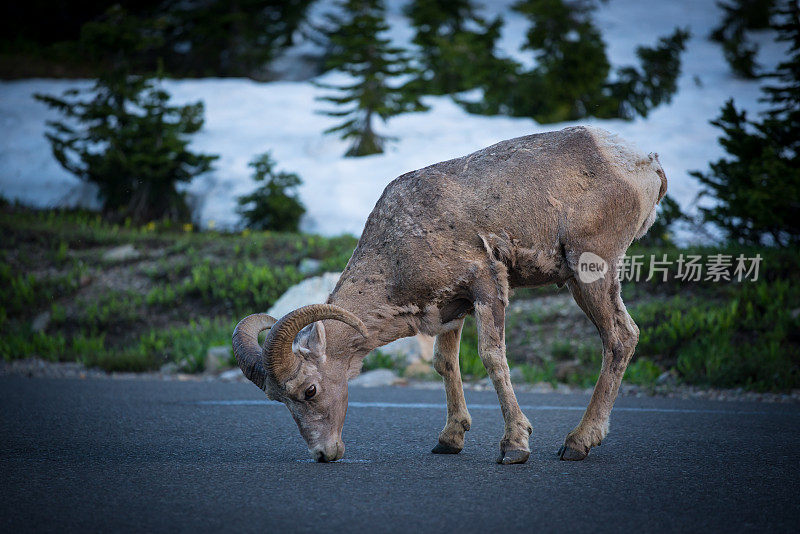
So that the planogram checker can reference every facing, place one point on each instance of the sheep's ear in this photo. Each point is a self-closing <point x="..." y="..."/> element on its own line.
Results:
<point x="310" y="342"/>
<point x="354" y="368"/>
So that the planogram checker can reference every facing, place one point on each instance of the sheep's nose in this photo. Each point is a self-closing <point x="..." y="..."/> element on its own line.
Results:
<point x="339" y="450"/>
<point x="329" y="453"/>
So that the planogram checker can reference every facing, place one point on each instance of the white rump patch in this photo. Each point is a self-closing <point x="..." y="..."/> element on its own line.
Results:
<point x="651" y="218"/>
<point x="620" y="152"/>
<point x="640" y="170"/>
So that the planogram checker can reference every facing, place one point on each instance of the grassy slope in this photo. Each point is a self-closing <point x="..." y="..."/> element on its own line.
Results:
<point x="181" y="295"/>
<point x="185" y="290"/>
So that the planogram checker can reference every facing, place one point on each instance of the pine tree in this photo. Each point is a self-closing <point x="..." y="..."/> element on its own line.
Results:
<point x="757" y="189"/>
<point x="782" y="122"/>
<point x="572" y="79"/>
<point x="227" y="38"/>
<point x="275" y="204"/>
<point x="741" y="16"/>
<point x="122" y="135"/>
<point x="359" y="50"/>
<point x="571" y="59"/>
<point x="197" y="37"/>
<point x="457" y="47"/>
<point x="637" y="91"/>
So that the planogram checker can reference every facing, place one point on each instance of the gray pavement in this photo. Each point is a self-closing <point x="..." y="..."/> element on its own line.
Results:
<point x="141" y="455"/>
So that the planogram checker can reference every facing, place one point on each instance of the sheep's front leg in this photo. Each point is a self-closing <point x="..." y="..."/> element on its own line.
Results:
<point x="445" y="361"/>
<point x="514" y="448"/>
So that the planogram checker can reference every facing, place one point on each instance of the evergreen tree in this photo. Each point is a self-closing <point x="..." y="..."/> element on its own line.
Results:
<point x="197" y="37"/>
<point x="359" y="50"/>
<point x="758" y="188"/>
<point x="637" y="91"/>
<point x="457" y="47"/>
<point x="275" y="204"/>
<point x="571" y="59"/>
<point x="782" y="121"/>
<point x="572" y="79"/>
<point x="227" y="38"/>
<point x="741" y="16"/>
<point x="122" y="135"/>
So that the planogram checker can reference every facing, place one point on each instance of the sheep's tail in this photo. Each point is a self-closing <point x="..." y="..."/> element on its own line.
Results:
<point x="660" y="171"/>
<point x="651" y="217"/>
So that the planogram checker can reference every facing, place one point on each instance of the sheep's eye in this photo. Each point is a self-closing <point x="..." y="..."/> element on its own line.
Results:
<point x="311" y="391"/>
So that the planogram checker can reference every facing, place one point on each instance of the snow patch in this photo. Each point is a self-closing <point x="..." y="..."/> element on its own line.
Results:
<point x="245" y="118"/>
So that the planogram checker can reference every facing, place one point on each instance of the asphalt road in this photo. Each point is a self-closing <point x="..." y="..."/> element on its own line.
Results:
<point x="113" y="455"/>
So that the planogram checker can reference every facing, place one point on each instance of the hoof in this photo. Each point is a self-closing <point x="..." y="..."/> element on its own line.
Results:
<point x="570" y="454"/>
<point x="515" y="456"/>
<point x="443" y="448"/>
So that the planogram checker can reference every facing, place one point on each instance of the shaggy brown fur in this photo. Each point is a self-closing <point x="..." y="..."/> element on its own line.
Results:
<point x="453" y="238"/>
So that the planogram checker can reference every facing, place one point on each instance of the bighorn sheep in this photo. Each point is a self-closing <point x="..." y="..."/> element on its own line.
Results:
<point x="450" y="240"/>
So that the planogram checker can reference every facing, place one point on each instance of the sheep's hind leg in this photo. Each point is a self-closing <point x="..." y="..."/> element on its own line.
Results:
<point x="445" y="361"/>
<point x="601" y="301"/>
<point x="514" y="447"/>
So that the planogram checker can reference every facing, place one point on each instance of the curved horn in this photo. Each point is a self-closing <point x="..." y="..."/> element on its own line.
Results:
<point x="278" y="357"/>
<point x="246" y="348"/>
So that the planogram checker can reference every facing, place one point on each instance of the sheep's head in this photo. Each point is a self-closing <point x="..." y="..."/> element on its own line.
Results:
<point x="294" y="368"/>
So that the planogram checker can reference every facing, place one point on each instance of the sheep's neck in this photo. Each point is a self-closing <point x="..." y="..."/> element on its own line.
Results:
<point x="367" y="300"/>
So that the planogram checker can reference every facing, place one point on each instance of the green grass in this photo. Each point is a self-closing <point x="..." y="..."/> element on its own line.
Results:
<point x="187" y="289"/>
<point x="380" y="360"/>
<point x="642" y="372"/>
<point x="468" y="358"/>
<point x="182" y="295"/>
<point x="241" y="287"/>
<point x="534" y="374"/>
<point x="722" y="334"/>
<point x="747" y="338"/>
<point x="21" y="291"/>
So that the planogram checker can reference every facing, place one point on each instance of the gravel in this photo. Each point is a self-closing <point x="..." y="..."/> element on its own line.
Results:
<point x="38" y="368"/>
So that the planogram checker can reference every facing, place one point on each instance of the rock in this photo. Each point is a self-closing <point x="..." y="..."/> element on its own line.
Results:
<point x="41" y="322"/>
<point x="667" y="378"/>
<point x="309" y="266"/>
<point x="121" y="253"/>
<point x="375" y="378"/>
<point x="217" y="358"/>
<point x="516" y="375"/>
<point x="231" y="375"/>
<point x="419" y="369"/>
<point x="313" y="290"/>
<point x="169" y="368"/>
<point x="411" y="349"/>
